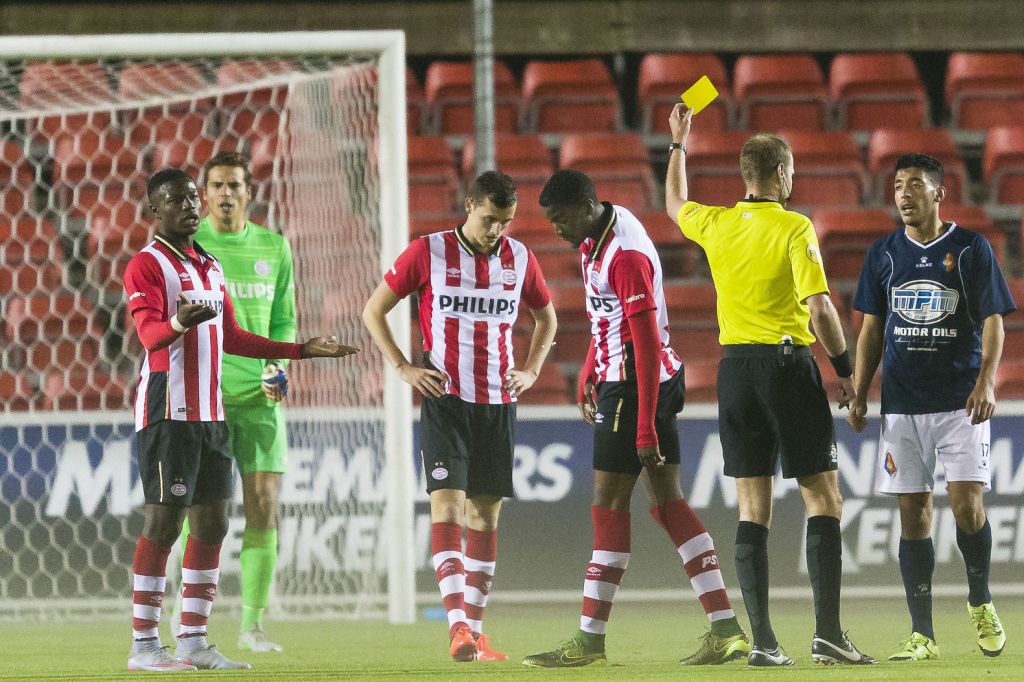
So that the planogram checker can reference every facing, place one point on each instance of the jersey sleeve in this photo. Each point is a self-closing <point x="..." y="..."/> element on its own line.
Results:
<point x="805" y="260"/>
<point x="870" y="298"/>
<point x="694" y="220"/>
<point x="283" y="325"/>
<point x="238" y="341"/>
<point x="144" y="284"/>
<point x="632" y="279"/>
<point x="535" y="290"/>
<point x="989" y="293"/>
<point x="411" y="270"/>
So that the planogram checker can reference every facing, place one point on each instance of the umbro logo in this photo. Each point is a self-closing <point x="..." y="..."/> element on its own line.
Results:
<point x="593" y="570"/>
<point x="454" y="272"/>
<point x="184" y="277"/>
<point x="599" y="418"/>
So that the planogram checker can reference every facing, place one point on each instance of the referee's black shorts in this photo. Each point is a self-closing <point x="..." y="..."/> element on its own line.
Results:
<point x="769" y="412"/>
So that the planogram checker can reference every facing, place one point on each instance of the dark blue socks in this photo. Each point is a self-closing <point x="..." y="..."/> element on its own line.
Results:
<point x="977" y="551"/>
<point x="917" y="563"/>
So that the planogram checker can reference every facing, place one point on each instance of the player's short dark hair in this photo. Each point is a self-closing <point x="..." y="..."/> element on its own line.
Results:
<point x="162" y="177"/>
<point x="931" y="166"/>
<point x="231" y="160"/>
<point x="761" y="155"/>
<point x="496" y="186"/>
<point x="567" y="187"/>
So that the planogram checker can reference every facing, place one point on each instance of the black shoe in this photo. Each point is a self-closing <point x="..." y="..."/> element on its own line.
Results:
<point x="763" y="658"/>
<point x="841" y="652"/>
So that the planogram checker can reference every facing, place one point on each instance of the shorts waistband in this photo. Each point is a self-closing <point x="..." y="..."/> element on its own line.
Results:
<point x="761" y="350"/>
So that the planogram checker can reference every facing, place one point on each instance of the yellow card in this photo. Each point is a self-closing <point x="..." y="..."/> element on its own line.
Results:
<point x="700" y="94"/>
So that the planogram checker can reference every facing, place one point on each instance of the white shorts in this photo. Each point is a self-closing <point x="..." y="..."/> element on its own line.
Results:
<point x="910" y="444"/>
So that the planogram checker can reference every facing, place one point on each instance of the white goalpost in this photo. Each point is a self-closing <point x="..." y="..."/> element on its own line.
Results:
<point x="83" y="122"/>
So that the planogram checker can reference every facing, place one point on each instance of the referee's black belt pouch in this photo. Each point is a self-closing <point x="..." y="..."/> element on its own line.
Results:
<point x="762" y="350"/>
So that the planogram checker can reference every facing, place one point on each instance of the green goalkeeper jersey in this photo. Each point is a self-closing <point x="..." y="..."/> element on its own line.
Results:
<point x="257" y="264"/>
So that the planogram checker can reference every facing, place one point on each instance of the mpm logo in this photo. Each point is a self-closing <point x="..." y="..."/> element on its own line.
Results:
<point x="923" y="301"/>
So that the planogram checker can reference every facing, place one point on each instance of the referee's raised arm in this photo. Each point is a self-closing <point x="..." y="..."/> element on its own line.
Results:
<point x="676" y="190"/>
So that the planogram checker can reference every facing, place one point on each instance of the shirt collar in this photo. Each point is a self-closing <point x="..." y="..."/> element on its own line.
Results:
<point x="464" y="243"/>
<point x="181" y="255"/>
<point x="603" y="239"/>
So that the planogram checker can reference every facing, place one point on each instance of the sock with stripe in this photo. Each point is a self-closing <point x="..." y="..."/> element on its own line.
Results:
<point x="450" y="571"/>
<point x="825" y="569"/>
<point x="481" y="553"/>
<point x="700" y="561"/>
<point x="258" y="560"/>
<point x="149" y="578"/>
<point x="977" y="551"/>
<point x="752" y="572"/>
<point x="607" y="566"/>
<point x="200" y="573"/>
<point x="917" y="563"/>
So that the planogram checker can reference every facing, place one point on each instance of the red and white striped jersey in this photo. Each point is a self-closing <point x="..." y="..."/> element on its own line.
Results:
<point x="622" y="276"/>
<point x="468" y="304"/>
<point x="182" y="380"/>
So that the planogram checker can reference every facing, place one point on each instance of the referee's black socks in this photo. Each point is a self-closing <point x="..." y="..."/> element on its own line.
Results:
<point x="752" y="571"/>
<point x="825" y="569"/>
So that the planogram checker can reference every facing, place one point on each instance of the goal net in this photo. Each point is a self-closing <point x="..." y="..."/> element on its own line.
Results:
<point x="83" y="123"/>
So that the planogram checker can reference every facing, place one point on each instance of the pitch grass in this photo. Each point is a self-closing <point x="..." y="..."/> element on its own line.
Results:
<point x="644" y="643"/>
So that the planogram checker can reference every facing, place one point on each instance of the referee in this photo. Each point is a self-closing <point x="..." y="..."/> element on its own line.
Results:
<point x="772" y="406"/>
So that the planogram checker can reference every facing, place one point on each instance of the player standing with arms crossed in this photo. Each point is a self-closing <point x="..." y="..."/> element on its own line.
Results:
<point x="933" y="299"/>
<point x="178" y="300"/>
<point x="631" y="388"/>
<point x="771" y="403"/>
<point x="470" y="282"/>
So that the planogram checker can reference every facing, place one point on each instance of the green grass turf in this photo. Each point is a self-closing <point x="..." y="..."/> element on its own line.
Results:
<point x="645" y="641"/>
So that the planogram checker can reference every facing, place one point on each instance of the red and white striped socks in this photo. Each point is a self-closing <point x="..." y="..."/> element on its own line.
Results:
<point x="149" y="568"/>
<point x="697" y="551"/>
<point x="607" y="566"/>
<point x="450" y="571"/>
<point x="200" y="573"/>
<point x="481" y="553"/>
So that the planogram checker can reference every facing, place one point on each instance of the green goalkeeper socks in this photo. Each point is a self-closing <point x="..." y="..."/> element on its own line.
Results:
<point x="258" y="559"/>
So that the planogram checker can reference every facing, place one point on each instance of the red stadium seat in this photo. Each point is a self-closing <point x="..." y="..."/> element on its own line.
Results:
<point x="985" y="90"/>
<point x="524" y="158"/>
<point x="701" y="381"/>
<point x="433" y="180"/>
<point x="551" y="388"/>
<point x="616" y="162"/>
<point x="15" y="392"/>
<point x="692" y="305"/>
<point x="976" y="218"/>
<point x="679" y="256"/>
<point x="1010" y="379"/>
<point x="829" y="169"/>
<point x="571" y="96"/>
<point x="880" y="90"/>
<point x="164" y="80"/>
<point x="423" y="226"/>
<point x="63" y="85"/>
<point x="62" y="354"/>
<point x="84" y="389"/>
<point x="888" y="145"/>
<point x="95" y="156"/>
<point x="664" y="77"/>
<point x="780" y="91"/>
<point x="158" y="124"/>
<point x="713" y="167"/>
<point x="1003" y="165"/>
<point x="449" y="93"/>
<point x="31" y="278"/>
<point x="189" y="154"/>
<point x="537" y="233"/>
<point x="14" y="165"/>
<point x="695" y="342"/>
<point x="35" y="243"/>
<point x="245" y="71"/>
<point x="567" y="295"/>
<point x="415" y="105"/>
<point x="844" y="237"/>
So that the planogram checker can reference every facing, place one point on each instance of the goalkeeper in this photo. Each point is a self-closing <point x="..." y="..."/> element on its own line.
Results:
<point x="257" y="264"/>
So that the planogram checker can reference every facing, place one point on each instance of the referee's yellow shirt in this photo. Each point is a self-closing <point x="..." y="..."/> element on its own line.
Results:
<point x="765" y="262"/>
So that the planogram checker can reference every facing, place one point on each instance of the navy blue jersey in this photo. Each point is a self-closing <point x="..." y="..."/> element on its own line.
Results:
<point x="934" y="298"/>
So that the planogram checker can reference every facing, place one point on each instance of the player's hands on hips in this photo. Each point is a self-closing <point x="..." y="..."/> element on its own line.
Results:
<point x="846" y="392"/>
<point x="857" y="419"/>
<point x="588" y="407"/>
<point x="191" y="314"/>
<point x="981" y="403"/>
<point x="679" y="122"/>
<point x="518" y="380"/>
<point x="326" y="347"/>
<point x="429" y="382"/>
<point x="650" y="456"/>
<point x="275" y="392"/>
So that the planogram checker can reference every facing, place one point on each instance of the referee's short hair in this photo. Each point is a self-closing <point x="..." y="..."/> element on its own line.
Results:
<point x="162" y="177"/>
<point x="567" y="187"/>
<point x="496" y="186"/>
<point x="761" y="155"/>
<point x="931" y="166"/>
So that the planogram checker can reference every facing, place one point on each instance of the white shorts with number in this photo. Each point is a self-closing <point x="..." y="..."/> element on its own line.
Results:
<point x="911" y="446"/>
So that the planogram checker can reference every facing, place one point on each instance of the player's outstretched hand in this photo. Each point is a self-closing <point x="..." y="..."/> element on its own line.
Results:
<point x="679" y="122"/>
<point x="857" y="419"/>
<point x="981" y="403"/>
<point x="588" y="407"/>
<point x="518" y="380"/>
<point x="326" y="347"/>
<point x="191" y="314"/>
<point x="429" y="382"/>
<point x="650" y="456"/>
<point x="846" y="392"/>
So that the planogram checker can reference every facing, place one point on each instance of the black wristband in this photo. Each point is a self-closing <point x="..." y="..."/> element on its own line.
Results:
<point x="676" y="145"/>
<point x="841" y="364"/>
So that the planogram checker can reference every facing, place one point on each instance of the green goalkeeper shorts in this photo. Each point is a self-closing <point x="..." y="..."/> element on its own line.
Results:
<point x="257" y="438"/>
